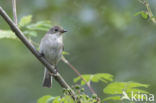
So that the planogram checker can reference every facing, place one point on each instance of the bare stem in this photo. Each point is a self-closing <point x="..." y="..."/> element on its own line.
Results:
<point x="149" y="11"/>
<point x="14" y="11"/>
<point x="78" y="73"/>
<point x="23" y="39"/>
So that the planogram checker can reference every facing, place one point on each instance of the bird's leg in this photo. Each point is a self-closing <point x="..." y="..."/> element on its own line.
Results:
<point x="56" y="69"/>
<point x="41" y="54"/>
<point x="54" y="74"/>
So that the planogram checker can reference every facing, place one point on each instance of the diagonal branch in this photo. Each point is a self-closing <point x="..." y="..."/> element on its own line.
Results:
<point x="23" y="39"/>
<point x="79" y="74"/>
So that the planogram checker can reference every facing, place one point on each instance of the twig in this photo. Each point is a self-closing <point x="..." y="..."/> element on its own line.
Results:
<point x="141" y="1"/>
<point x="51" y="69"/>
<point x="149" y="11"/>
<point x="14" y="11"/>
<point x="78" y="73"/>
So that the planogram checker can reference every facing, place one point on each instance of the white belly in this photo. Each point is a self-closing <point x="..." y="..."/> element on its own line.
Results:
<point x="52" y="48"/>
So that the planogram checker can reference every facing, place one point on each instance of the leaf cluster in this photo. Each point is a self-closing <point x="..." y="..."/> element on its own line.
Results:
<point x="113" y="89"/>
<point x="29" y="28"/>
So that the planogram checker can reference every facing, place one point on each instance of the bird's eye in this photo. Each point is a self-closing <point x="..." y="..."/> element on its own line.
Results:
<point x="56" y="29"/>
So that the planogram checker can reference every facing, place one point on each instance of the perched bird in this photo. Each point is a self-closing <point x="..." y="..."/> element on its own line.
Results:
<point x="51" y="47"/>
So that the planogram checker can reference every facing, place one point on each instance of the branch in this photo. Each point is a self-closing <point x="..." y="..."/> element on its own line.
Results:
<point x="14" y="11"/>
<point x="149" y="11"/>
<point x="78" y="73"/>
<point x="51" y="69"/>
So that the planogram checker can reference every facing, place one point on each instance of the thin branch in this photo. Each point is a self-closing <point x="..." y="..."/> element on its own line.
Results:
<point x="141" y="1"/>
<point x="78" y="73"/>
<point x="149" y="11"/>
<point x="51" y="69"/>
<point x="14" y="11"/>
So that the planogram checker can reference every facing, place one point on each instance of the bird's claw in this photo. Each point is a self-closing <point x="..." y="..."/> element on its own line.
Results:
<point x="54" y="74"/>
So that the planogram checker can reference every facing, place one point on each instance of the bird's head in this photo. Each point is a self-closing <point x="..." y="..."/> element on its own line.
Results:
<point x="57" y="30"/>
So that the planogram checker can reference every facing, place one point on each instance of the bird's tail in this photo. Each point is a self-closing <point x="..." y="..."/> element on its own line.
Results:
<point x="47" y="79"/>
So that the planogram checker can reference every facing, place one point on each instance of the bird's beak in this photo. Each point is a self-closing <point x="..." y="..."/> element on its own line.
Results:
<point x="63" y="31"/>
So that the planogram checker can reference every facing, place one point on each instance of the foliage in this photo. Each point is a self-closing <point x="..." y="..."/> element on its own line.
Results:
<point x="29" y="29"/>
<point x="45" y="99"/>
<point x="65" y="53"/>
<point x="7" y="34"/>
<point x="148" y="12"/>
<point x="114" y="89"/>
<point x="41" y="25"/>
<point x="104" y="77"/>
<point x="25" y="20"/>
<point x="143" y="14"/>
<point x="67" y="99"/>
<point x="128" y="86"/>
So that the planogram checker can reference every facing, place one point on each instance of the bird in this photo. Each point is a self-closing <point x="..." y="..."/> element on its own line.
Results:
<point x="51" y="47"/>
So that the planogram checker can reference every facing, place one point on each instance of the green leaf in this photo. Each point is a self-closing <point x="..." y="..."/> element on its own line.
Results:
<point x="44" y="99"/>
<point x="142" y="13"/>
<point x="25" y="20"/>
<point x="57" y="99"/>
<point x="67" y="99"/>
<point x="41" y="25"/>
<point x="118" y="87"/>
<point x="104" y="77"/>
<point x="30" y="33"/>
<point x="138" y="13"/>
<point x="87" y="78"/>
<point x="65" y="53"/>
<point x="7" y="34"/>
<point x="112" y="98"/>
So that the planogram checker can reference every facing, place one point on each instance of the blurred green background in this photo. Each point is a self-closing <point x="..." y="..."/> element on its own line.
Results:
<point x="103" y="36"/>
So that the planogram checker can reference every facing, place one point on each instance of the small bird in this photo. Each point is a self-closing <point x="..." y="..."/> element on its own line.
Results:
<point x="51" y="47"/>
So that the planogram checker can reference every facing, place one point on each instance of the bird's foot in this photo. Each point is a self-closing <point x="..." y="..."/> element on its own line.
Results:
<point x="41" y="55"/>
<point x="55" y="73"/>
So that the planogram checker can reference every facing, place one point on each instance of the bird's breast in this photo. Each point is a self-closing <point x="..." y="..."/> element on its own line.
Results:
<point x="53" y="48"/>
